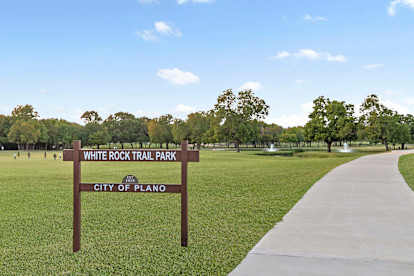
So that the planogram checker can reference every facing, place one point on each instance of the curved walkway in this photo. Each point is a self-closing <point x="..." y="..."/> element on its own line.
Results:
<point x="357" y="220"/>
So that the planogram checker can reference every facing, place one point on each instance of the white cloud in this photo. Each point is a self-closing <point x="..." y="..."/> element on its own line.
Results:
<point x="162" y="28"/>
<point x="300" y="81"/>
<point x="176" y="76"/>
<point x="409" y="101"/>
<point x="307" y="53"/>
<point x="357" y="109"/>
<point x="290" y="120"/>
<point x="397" y="107"/>
<point x="307" y="107"/>
<point x="251" y="85"/>
<point x="392" y="7"/>
<point x="295" y="119"/>
<point x="184" y="109"/>
<point x="372" y="66"/>
<point x="43" y="91"/>
<point x="281" y="55"/>
<point x="167" y="29"/>
<point x="147" y="35"/>
<point x="148" y="1"/>
<point x="180" y="2"/>
<point x="311" y="55"/>
<point x="314" y="19"/>
<point x="339" y="58"/>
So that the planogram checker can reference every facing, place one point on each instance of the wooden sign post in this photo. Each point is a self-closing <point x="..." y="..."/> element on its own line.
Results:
<point x="130" y="183"/>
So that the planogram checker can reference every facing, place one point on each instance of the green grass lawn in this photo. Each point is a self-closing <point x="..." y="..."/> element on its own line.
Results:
<point x="234" y="199"/>
<point x="406" y="166"/>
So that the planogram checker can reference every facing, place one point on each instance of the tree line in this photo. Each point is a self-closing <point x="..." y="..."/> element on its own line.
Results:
<point x="235" y="118"/>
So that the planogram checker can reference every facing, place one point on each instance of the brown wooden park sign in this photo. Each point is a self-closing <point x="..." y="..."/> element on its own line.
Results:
<point x="130" y="182"/>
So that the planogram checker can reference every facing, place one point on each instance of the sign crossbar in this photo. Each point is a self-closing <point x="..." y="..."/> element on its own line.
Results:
<point x="131" y="188"/>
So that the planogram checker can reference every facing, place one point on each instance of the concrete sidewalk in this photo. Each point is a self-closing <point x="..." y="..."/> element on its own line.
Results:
<point x="357" y="220"/>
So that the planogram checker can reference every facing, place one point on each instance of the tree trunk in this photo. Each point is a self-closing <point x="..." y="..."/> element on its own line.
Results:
<point x="140" y="145"/>
<point x="238" y="145"/>
<point x="387" y="148"/>
<point x="167" y="146"/>
<point x="329" y="146"/>
<point x="198" y="146"/>
<point x="402" y="146"/>
<point x="98" y="146"/>
<point x="122" y="145"/>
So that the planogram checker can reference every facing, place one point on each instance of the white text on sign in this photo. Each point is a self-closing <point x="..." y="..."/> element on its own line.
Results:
<point x="148" y="188"/>
<point x="96" y="155"/>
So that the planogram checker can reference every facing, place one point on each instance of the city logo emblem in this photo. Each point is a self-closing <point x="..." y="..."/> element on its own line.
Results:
<point x="130" y="179"/>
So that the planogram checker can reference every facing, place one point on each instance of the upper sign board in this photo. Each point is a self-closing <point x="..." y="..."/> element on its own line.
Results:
<point x="131" y="155"/>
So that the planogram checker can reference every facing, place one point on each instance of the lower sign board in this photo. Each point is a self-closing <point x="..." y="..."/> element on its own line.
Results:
<point x="133" y="188"/>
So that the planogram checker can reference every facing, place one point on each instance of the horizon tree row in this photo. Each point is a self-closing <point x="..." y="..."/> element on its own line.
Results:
<point x="233" y="119"/>
<point x="335" y="121"/>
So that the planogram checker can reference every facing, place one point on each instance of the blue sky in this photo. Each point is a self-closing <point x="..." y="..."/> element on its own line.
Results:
<point x="176" y="56"/>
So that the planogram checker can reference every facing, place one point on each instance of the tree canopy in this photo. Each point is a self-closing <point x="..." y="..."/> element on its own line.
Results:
<point x="331" y="121"/>
<point x="234" y="119"/>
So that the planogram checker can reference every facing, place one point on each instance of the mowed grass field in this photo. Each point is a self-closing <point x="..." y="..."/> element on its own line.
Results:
<point x="406" y="166"/>
<point x="234" y="199"/>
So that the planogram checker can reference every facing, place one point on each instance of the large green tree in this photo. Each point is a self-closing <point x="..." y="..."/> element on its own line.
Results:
<point x="376" y="121"/>
<point x="67" y="132"/>
<point x="331" y="121"/>
<point x="160" y="130"/>
<point x="95" y="134"/>
<point x="124" y="128"/>
<point x="180" y="131"/>
<point x="271" y="133"/>
<point x="409" y="120"/>
<point x="25" y="133"/>
<point x="52" y="132"/>
<point x="25" y="112"/>
<point x="143" y="135"/>
<point x="5" y="124"/>
<point x="237" y="115"/>
<point x="400" y="131"/>
<point x="198" y="124"/>
<point x="91" y="117"/>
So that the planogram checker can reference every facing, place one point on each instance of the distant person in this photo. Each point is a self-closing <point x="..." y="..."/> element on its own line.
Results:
<point x="2" y="148"/>
<point x="60" y="155"/>
<point x="54" y="156"/>
<point x="45" y="154"/>
<point x="18" y="154"/>
<point x="28" y="155"/>
<point x="14" y="156"/>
